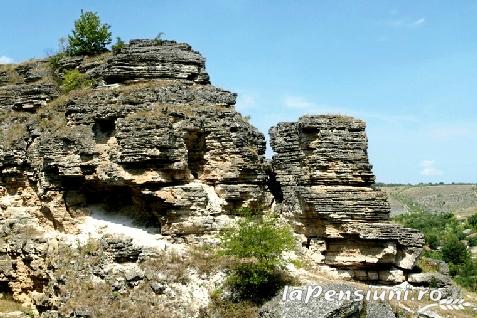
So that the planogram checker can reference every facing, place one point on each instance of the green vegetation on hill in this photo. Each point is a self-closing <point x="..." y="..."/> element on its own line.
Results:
<point x="448" y="239"/>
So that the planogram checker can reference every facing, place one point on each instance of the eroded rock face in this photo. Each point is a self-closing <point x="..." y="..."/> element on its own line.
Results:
<point x="155" y="143"/>
<point x="172" y="139"/>
<point x="155" y="59"/>
<point x="321" y="165"/>
<point x="26" y="87"/>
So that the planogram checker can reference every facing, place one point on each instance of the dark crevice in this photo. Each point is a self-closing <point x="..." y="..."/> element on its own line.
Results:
<point x="274" y="186"/>
<point x="103" y="130"/>
<point x="120" y="202"/>
<point x="196" y="148"/>
<point x="5" y="288"/>
<point x="49" y="216"/>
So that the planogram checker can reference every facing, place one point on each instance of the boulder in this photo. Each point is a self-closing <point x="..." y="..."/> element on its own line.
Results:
<point x="320" y="307"/>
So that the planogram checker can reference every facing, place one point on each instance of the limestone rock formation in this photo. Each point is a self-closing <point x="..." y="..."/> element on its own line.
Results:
<point x="26" y="87"/>
<point x="166" y="141"/>
<point x="152" y="141"/>
<point x="154" y="146"/>
<point x="322" y="169"/>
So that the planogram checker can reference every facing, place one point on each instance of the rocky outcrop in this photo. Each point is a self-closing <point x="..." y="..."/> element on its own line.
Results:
<point x="158" y="136"/>
<point x="154" y="145"/>
<point x="26" y="87"/>
<point x="147" y="59"/>
<point x="143" y="60"/>
<point x="322" y="169"/>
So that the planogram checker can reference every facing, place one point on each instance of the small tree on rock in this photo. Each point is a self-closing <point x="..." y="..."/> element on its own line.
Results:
<point x="89" y="36"/>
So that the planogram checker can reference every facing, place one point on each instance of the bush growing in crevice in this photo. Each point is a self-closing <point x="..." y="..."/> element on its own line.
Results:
<point x="55" y="60"/>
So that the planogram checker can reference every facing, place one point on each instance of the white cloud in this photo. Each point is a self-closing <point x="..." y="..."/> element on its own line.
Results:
<point x="450" y="133"/>
<point x="6" y="60"/>
<point x="297" y="102"/>
<point x="306" y="106"/>
<point x="429" y="169"/>
<point x="419" y="22"/>
<point x="406" y="23"/>
<point x="310" y="107"/>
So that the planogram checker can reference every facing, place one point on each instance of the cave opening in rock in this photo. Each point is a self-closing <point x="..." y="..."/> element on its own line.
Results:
<point x="6" y="294"/>
<point x="120" y="205"/>
<point x="103" y="130"/>
<point x="196" y="147"/>
<point x="4" y="288"/>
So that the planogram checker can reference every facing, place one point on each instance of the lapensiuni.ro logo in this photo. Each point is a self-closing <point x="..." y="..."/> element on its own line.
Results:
<point x="307" y="294"/>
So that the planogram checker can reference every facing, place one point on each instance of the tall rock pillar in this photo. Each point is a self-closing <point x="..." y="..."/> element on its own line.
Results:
<point x="321" y="164"/>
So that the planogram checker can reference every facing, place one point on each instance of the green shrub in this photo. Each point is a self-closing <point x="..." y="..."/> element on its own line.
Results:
<point x="446" y="232"/>
<point x="454" y="251"/>
<point x="473" y="221"/>
<point x="89" y="37"/>
<point x="117" y="47"/>
<point x="256" y="246"/>
<point x="433" y="225"/>
<point x="465" y="274"/>
<point x="74" y="79"/>
<point x="432" y="254"/>
<point x="473" y="241"/>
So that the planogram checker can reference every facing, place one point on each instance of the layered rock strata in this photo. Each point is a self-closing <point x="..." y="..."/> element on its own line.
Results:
<point x="153" y="142"/>
<point x="153" y="134"/>
<point x="322" y="169"/>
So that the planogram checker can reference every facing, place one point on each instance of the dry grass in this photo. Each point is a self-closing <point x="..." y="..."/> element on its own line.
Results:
<point x="228" y="309"/>
<point x="173" y="267"/>
<point x="103" y="57"/>
<point x="460" y="199"/>
<point x="12" y="76"/>
<point x="9" y="305"/>
<point x="13" y="128"/>
<point x="206" y="260"/>
<point x="100" y="301"/>
<point x="83" y="293"/>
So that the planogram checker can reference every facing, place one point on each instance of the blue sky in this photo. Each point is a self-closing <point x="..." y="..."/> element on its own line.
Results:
<point x="409" y="68"/>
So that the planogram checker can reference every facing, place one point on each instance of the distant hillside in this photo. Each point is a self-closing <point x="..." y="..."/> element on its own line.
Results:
<point x="460" y="199"/>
